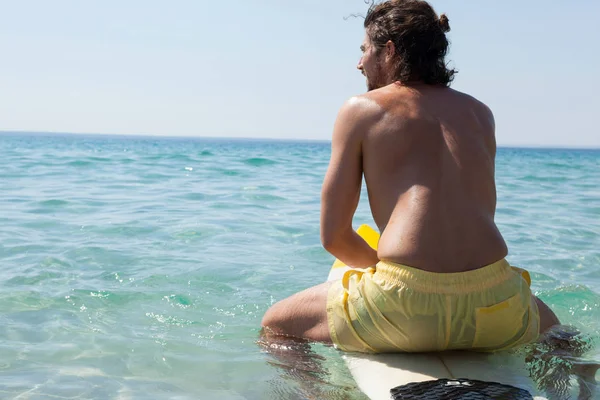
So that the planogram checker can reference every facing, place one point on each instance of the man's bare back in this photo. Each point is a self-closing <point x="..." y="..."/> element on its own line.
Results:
<point x="428" y="162"/>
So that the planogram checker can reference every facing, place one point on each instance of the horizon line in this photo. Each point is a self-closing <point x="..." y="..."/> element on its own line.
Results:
<point x="238" y="138"/>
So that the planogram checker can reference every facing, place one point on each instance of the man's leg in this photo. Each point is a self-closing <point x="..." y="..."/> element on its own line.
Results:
<point x="561" y="356"/>
<point x="547" y="317"/>
<point x="302" y="315"/>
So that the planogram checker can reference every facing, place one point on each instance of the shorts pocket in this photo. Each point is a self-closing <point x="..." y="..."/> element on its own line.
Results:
<point x="497" y="325"/>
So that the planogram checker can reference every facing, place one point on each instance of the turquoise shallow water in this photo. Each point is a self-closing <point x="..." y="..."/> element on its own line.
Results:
<point x="138" y="268"/>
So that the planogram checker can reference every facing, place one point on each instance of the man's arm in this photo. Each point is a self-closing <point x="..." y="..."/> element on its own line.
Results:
<point x="342" y="185"/>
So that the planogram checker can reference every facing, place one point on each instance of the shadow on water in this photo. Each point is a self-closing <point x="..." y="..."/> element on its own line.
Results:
<point x="302" y="373"/>
<point x="557" y="361"/>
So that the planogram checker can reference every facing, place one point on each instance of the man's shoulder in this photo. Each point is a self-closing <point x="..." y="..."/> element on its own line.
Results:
<point x="375" y="104"/>
<point x="362" y="107"/>
<point x="473" y="102"/>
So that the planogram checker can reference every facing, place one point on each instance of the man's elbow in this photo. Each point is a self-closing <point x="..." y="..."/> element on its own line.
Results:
<point x="328" y="243"/>
<point x="331" y="240"/>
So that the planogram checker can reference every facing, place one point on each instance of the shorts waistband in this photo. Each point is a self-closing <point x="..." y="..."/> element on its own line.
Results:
<point x="454" y="282"/>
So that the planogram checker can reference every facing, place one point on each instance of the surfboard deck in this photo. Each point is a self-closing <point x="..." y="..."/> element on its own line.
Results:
<point x="377" y="374"/>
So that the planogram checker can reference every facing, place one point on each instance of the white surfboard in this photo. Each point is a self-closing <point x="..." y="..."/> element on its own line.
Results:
<point x="377" y="374"/>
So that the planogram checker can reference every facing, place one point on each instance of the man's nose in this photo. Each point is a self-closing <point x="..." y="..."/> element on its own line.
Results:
<point x="360" y="64"/>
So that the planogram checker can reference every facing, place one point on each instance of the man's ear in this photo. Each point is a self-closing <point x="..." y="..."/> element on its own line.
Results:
<point x="390" y="49"/>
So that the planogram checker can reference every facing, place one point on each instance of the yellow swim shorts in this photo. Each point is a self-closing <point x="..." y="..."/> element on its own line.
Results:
<point x="395" y="308"/>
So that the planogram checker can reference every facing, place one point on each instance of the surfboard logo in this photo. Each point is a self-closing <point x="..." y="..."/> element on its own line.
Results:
<point x="449" y="389"/>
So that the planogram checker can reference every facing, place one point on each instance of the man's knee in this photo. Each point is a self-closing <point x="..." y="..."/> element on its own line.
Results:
<point x="271" y="319"/>
<point x="277" y="318"/>
<point x="302" y="315"/>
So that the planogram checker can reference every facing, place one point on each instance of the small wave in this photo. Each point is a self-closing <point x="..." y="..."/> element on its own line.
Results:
<point x="111" y="297"/>
<point x="154" y="157"/>
<point x="24" y="300"/>
<point x="35" y="279"/>
<point x="53" y="203"/>
<point x="266" y="197"/>
<point x="563" y="165"/>
<point x="128" y="230"/>
<point x="169" y="319"/>
<point x="229" y="172"/>
<point x="178" y="157"/>
<point x="167" y="157"/>
<point x="549" y="179"/>
<point x="79" y="163"/>
<point x="100" y="159"/>
<point x="194" y="196"/>
<point x="178" y="300"/>
<point x="188" y="235"/>
<point x="155" y="176"/>
<point x="259" y="161"/>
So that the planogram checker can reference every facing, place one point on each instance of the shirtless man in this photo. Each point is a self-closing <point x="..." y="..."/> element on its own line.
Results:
<point x="439" y="279"/>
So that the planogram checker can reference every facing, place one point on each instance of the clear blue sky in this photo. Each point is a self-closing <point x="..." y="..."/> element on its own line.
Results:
<point x="281" y="68"/>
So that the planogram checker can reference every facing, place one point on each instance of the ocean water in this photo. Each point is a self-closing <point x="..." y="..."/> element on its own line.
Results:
<point x="140" y="268"/>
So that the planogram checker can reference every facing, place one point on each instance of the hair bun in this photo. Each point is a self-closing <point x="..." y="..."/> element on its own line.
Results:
<point x="444" y="23"/>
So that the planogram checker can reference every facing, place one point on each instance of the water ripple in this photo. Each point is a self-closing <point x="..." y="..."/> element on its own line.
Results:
<point x="143" y="265"/>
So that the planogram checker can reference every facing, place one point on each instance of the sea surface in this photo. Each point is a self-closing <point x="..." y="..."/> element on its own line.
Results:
<point x="140" y="268"/>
